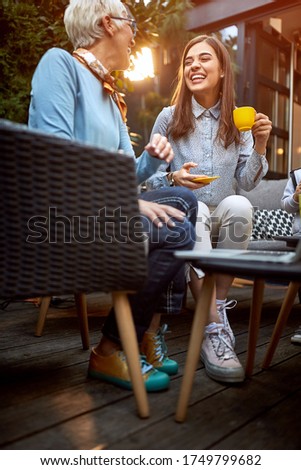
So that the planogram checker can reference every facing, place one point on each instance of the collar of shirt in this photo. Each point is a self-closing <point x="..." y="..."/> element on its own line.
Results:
<point x="198" y="110"/>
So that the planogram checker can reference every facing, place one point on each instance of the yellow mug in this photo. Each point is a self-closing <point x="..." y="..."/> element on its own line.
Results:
<point x="244" y="118"/>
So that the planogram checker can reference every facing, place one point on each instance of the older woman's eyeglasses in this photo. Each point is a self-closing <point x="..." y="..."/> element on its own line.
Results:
<point x="132" y="22"/>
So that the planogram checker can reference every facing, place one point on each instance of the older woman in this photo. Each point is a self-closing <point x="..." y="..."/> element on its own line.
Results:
<point x="201" y="131"/>
<point x="74" y="96"/>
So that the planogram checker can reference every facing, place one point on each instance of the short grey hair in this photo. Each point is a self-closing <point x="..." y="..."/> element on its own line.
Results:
<point x="82" y="19"/>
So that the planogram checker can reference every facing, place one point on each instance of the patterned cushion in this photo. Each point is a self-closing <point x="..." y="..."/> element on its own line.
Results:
<point x="267" y="224"/>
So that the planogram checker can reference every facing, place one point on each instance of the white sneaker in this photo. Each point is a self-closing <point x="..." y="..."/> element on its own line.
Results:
<point x="221" y="310"/>
<point x="296" y="338"/>
<point x="218" y="356"/>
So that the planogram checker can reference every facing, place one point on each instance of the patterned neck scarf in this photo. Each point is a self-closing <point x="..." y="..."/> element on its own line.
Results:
<point x="86" y="57"/>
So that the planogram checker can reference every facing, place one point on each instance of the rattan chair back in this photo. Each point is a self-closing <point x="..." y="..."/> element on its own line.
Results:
<point x="68" y="217"/>
<point x="69" y="224"/>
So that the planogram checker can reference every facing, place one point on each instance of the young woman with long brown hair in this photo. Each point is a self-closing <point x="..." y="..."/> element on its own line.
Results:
<point x="205" y="141"/>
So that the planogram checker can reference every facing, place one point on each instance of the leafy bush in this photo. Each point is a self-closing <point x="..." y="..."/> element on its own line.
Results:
<point x="30" y="27"/>
<point x="27" y="32"/>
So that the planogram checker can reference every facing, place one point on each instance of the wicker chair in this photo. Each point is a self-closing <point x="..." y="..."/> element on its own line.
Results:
<point x="67" y="214"/>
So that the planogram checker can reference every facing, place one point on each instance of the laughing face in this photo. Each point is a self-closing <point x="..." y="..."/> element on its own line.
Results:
<point x="203" y="73"/>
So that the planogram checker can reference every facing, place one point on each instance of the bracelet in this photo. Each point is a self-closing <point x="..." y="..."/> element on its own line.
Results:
<point x="171" y="179"/>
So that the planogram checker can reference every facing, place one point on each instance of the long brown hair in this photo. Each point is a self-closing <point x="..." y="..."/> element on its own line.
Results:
<point x="183" y="118"/>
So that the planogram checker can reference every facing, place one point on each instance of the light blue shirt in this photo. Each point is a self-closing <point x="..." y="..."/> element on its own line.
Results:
<point x="238" y="162"/>
<point x="69" y="101"/>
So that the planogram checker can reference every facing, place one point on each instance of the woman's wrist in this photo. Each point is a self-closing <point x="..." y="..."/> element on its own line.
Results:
<point x="170" y="178"/>
<point x="261" y="150"/>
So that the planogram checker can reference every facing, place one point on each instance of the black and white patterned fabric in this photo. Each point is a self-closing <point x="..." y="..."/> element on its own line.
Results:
<point x="268" y="224"/>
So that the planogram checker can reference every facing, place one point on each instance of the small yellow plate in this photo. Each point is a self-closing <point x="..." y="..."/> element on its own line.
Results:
<point x="205" y="179"/>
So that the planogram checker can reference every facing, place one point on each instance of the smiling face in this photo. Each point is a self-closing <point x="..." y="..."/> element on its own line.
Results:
<point x="203" y="73"/>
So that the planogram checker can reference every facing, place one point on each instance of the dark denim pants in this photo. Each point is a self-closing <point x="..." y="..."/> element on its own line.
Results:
<point x="163" y="266"/>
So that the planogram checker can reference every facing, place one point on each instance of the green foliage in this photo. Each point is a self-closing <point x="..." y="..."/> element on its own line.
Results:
<point x="160" y="22"/>
<point x="28" y="30"/>
<point x="30" y="27"/>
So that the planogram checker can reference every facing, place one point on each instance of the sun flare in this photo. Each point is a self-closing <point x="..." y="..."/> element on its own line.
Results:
<point x="142" y="67"/>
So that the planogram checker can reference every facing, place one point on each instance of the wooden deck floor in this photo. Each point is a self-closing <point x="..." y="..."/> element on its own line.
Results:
<point x="47" y="401"/>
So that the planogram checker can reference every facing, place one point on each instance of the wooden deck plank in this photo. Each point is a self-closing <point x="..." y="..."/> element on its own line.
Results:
<point x="212" y="419"/>
<point x="47" y="401"/>
<point x="116" y="426"/>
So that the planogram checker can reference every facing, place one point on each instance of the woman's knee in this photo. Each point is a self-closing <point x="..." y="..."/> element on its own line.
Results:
<point x="239" y="207"/>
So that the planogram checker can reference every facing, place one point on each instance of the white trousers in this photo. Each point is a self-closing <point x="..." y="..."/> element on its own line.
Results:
<point x="229" y="225"/>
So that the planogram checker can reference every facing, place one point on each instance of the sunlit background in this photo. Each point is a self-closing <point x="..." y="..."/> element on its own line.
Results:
<point x="142" y="65"/>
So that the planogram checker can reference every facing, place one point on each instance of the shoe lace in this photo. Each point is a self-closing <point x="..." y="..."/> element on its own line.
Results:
<point x="222" y="310"/>
<point x="221" y="342"/>
<point x="159" y="343"/>
<point x="145" y="366"/>
<point x="227" y="306"/>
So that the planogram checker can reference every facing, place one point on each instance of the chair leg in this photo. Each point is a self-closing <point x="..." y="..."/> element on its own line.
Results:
<point x="81" y="310"/>
<point x="255" y="314"/>
<point x="130" y="346"/>
<point x="200" y="320"/>
<point x="45" y="302"/>
<point x="281" y="321"/>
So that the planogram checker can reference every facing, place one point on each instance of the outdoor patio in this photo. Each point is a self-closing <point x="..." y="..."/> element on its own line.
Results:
<point x="47" y="401"/>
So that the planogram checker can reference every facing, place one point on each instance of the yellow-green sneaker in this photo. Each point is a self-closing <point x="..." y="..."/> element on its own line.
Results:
<point x="153" y="346"/>
<point x="114" y="369"/>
